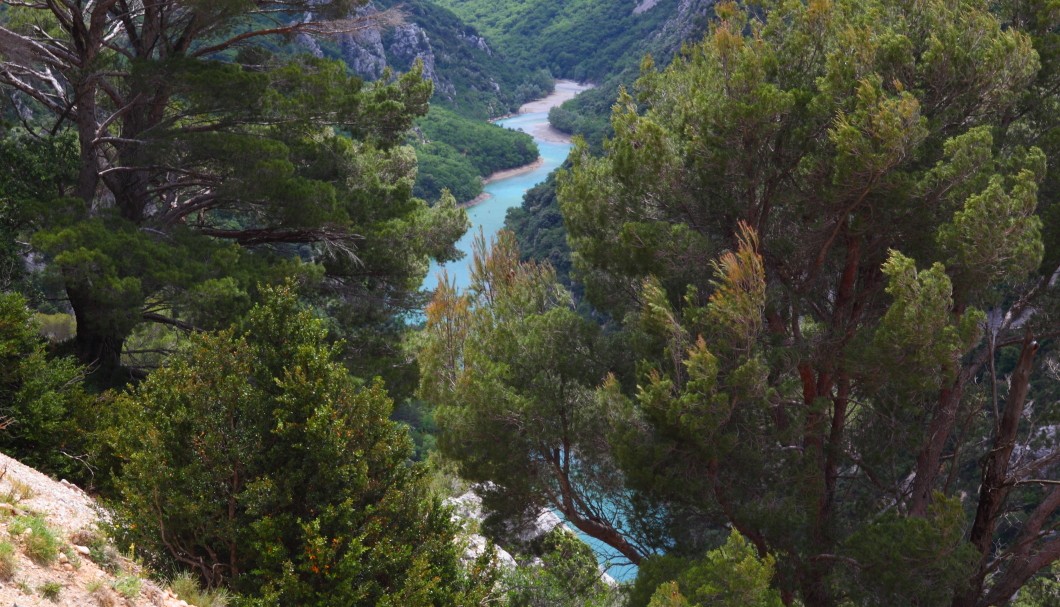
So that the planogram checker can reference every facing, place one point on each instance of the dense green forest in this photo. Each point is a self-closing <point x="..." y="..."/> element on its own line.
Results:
<point x="784" y="330"/>
<point x="820" y="261"/>
<point x="581" y="40"/>
<point x="474" y="82"/>
<point x="456" y="153"/>
<point x="600" y="42"/>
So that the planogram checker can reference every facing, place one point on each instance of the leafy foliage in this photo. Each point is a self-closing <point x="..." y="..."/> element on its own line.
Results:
<point x="42" y="401"/>
<point x="732" y="575"/>
<point x="39" y="541"/>
<point x="257" y="460"/>
<point x="196" y="175"/>
<point x="537" y="225"/>
<point x="858" y="220"/>
<point x="564" y="573"/>
<point x="459" y="153"/>
<point x="512" y="358"/>
<point x="582" y="39"/>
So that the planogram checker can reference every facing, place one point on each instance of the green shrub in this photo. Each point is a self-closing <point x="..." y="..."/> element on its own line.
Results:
<point x="100" y="551"/>
<point x="186" y="586"/>
<point x="41" y="543"/>
<point x="8" y="561"/>
<point x="40" y="396"/>
<point x="128" y="586"/>
<point x="103" y="595"/>
<point x="331" y="502"/>
<point x="50" y="590"/>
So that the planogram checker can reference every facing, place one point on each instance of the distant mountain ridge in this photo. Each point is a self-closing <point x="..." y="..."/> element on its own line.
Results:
<point x="581" y="39"/>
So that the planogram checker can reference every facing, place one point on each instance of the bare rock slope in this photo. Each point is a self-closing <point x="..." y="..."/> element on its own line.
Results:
<point x="52" y="552"/>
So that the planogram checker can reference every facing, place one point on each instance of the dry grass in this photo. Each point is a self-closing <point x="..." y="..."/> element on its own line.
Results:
<point x="8" y="561"/>
<point x="102" y="594"/>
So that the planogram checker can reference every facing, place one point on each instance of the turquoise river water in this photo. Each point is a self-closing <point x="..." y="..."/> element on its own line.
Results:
<point x="506" y="193"/>
<point x="488" y="216"/>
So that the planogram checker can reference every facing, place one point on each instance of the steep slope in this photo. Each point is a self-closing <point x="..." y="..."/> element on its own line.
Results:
<point x="52" y="553"/>
<point x="470" y="76"/>
<point x="588" y="115"/>
<point x="538" y="223"/>
<point x="578" y="39"/>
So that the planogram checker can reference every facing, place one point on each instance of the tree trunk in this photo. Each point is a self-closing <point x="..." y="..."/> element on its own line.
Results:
<point x="995" y="486"/>
<point x="88" y="168"/>
<point x="101" y="353"/>
<point x="95" y="346"/>
<point x="927" y="461"/>
<point x="815" y="590"/>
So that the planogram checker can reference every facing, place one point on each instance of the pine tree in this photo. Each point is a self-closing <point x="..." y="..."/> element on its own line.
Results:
<point x="197" y="145"/>
<point x="511" y="370"/>
<point x="832" y="385"/>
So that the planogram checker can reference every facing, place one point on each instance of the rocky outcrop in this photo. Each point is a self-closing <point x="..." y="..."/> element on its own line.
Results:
<point x="688" y="22"/>
<point x="370" y="51"/>
<point x="476" y="41"/>
<point x="468" y="514"/>
<point x="70" y="573"/>
<point x="644" y="5"/>
<point x="363" y="51"/>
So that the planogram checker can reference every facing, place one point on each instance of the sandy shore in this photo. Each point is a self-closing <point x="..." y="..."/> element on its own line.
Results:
<point x="483" y="197"/>
<point x="526" y="168"/>
<point x="565" y="91"/>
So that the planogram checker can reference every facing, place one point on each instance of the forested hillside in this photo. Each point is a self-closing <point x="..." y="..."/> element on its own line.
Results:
<point x="456" y="148"/>
<point x="538" y="224"/>
<point x="581" y="39"/>
<point x="601" y="42"/>
<point x="456" y="152"/>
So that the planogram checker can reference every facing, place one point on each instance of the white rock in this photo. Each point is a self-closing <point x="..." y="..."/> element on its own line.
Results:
<point x="82" y="550"/>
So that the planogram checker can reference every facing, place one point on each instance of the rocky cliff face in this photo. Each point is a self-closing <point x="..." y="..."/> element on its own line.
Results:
<point x="688" y="22"/>
<point x="370" y="51"/>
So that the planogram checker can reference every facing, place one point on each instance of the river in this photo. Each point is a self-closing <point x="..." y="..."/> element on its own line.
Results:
<point x="507" y="191"/>
<point x="504" y="191"/>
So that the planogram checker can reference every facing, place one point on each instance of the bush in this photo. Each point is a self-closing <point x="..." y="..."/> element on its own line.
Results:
<point x="8" y="561"/>
<point x="733" y="575"/>
<point x="39" y="396"/>
<point x="41" y="544"/>
<point x="50" y="590"/>
<point x="186" y="586"/>
<point x="103" y="595"/>
<point x="564" y="573"/>
<point x="100" y="551"/>
<point x="296" y="489"/>
<point x="128" y="586"/>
